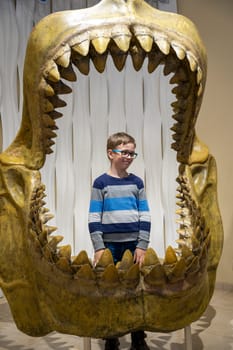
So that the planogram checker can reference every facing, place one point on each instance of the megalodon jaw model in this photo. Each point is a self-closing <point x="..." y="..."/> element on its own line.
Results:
<point x="47" y="289"/>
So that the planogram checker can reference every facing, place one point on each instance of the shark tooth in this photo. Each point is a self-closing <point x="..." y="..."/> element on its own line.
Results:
<point x="49" y="133"/>
<point x="48" y="90"/>
<point x="138" y="56"/>
<point x="182" y="212"/>
<point x="181" y="204"/>
<point x="183" y="89"/>
<point x="64" y="264"/>
<point x="176" y="137"/>
<point x="154" y="59"/>
<point x="100" y="44"/>
<point x="192" y="61"/>
<point x="199" y="75"/>
<point x="178" y="117"/>
<point x="181" y="242"/>
<point x="61" y="89"/>
<point x="146" y="42"/>
<point x="185" y="221"/>
<point x="163" y="45"/>
<point x="65" y="251"/>
<point x="178" y="272"/>
<point x="48" y="121"/>
<point x="118" y="57"/>
<point x="54" y="241"/>
<point x="126" y="261"/>
<point x="49" y="229"/>
<point x="183" y="233"/>
<point x="81" y="259"/>
<point x="51" y="72"/>
<point x="121" y="36"/>
<point x="180" y="75"/>
<point x="46" y="217"/>
<point x="100" y="62"/>
<point x="119" y="61"/>
<point x="170" y="256"/>
<point x="85" y="273"/>
<point x="178" y="128"/>
<point x="144" y="37"/>
<point x="180" y="51"/>
<point x="57" y="102"/>
<point x="55" y="114"/>
<point x="187" y="254"/>
<point x="82" y="63"/>
<point x="176" y="146"/>
<point x="156" y="277"/>
<point x="110" y="277"/>
<point x="131" y="277"/>
<point x="200" y="90"/>
<point x="171" y="65"/>
<point x="195" y="244"/>
<point x="123" y="42"/>
<point x="105" y="259"/>
<point x="180" y="105"/>
<point x="47" y="253"/>
<point x="48" y="143"/>
<point x="64" y="56"/>
<point x="68" y="73"/>
<point x="48" y="150"/>
<point x="47" y="106"/>
<point x="43" y="238"/>
<point x="150" y="258"/>
<point x="82" y="48"/>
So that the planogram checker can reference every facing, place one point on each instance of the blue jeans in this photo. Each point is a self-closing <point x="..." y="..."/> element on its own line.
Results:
<point x="118" y="248"/>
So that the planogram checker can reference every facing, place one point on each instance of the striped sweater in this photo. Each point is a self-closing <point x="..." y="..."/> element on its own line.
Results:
<point x="118" y="211"/>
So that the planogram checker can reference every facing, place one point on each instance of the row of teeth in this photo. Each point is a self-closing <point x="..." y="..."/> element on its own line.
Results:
<point x="119" y="43"/>
<point x="182" y="264"/>
<point x="123" y="40"/>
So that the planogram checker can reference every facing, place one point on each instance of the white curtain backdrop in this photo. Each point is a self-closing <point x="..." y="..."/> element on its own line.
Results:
<point x="137" y="102"/>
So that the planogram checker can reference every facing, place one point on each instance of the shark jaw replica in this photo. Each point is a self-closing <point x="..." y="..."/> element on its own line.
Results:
<point x="48" y="290"/>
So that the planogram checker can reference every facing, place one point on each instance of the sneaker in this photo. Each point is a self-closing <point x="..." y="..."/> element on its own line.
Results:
<point x="112" y="344"/>
<point x="138" y="341"/>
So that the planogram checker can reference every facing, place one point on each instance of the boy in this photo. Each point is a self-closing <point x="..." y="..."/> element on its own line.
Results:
<point x="119" y="217"/>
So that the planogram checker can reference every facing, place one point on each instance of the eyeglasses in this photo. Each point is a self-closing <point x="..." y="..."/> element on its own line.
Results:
<point x="125" y="153"/>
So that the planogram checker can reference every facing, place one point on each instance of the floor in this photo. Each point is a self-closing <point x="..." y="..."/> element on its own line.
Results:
<point x="213" y="331"/>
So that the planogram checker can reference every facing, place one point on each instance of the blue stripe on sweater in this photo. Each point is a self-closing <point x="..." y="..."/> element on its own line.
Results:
<point x="125" y="203"/>
<point x="96" y="206"/>
<point x="143" y="205"/>
<point x="120" y="203"/>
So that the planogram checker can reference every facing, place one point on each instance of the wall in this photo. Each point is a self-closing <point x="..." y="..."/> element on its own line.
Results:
<point x="214" y="20"/>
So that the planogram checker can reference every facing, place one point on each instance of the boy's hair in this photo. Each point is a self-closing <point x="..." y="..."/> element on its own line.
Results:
<point x="119" y="138"/>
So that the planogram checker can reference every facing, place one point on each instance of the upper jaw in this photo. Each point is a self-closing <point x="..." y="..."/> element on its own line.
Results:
<point x="117" y="28"/>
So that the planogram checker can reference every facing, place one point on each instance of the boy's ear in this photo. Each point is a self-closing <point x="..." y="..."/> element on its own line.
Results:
<point x="109" y="153"/>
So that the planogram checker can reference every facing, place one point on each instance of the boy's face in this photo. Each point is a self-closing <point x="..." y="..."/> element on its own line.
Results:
<point x="122" y="156"/>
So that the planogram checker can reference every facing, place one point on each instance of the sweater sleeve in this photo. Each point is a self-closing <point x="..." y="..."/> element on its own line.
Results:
<point x="95" y="218"/>
<point x="144" y="220"/>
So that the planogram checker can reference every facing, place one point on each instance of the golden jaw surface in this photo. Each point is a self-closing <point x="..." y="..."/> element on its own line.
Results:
<point x="46" y="288"/>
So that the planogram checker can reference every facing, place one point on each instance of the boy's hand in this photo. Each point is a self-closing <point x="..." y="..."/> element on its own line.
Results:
<point x="97" y="256"/>
<point x="139" y="256"/>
